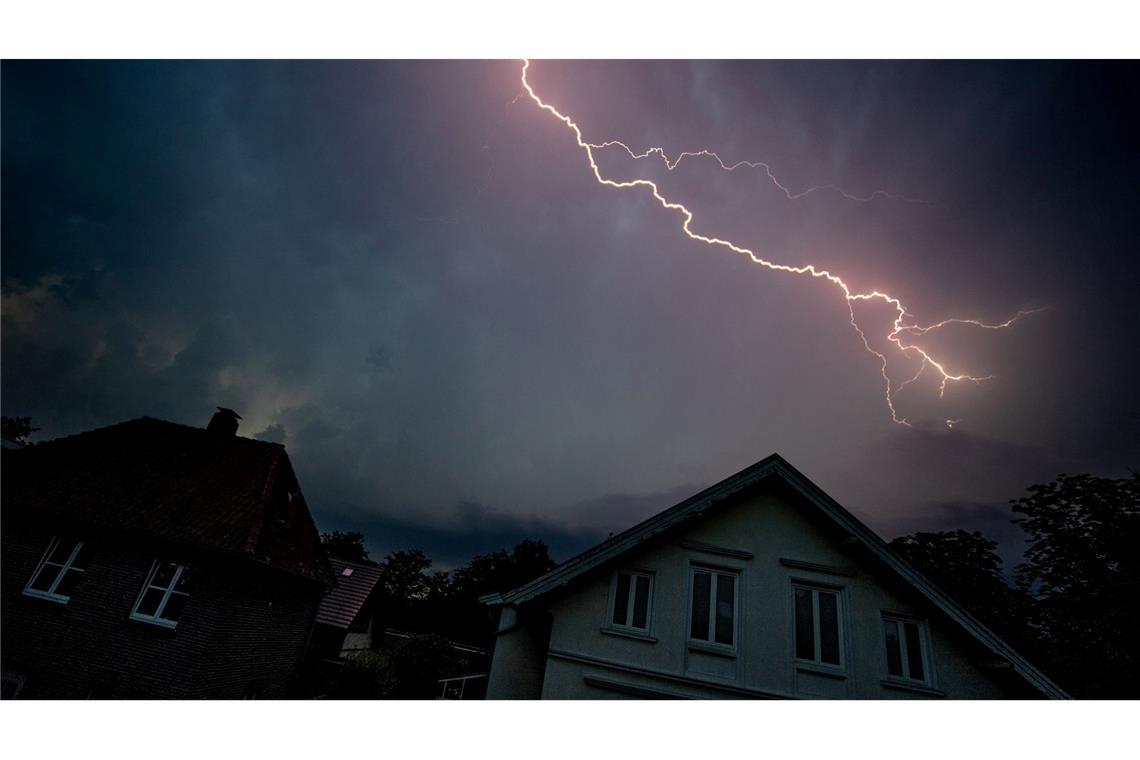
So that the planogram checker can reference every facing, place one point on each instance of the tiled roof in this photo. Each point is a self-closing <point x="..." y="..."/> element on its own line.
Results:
<point x="155" y="478"/>
<point x="354" y="584"/>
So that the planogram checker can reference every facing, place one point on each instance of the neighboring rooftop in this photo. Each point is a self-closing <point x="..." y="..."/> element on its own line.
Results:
<point x="155" y="478"/>
<point x="355" y="583"/>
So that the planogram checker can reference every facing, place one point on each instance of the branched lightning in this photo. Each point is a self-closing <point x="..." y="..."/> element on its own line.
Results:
<point x="901" y="326"/>
<point x="671" y="164"/>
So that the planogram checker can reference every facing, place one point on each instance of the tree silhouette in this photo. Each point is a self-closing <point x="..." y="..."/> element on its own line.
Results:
<point x="1083" y="570"/>
<point x="966" y="566"/>
<point x="501" y="571"/>
<point x="17" y="428"/>
<point x="405" y="575"/>
<point x="347" y="546"/>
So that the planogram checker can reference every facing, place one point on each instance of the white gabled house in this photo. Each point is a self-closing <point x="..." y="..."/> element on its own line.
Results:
<point x="761" y="586"/>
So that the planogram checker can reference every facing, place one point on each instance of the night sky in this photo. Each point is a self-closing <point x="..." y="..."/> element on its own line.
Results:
<point x="410" y="277"/>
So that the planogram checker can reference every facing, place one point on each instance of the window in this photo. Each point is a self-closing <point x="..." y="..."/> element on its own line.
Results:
<point x="164" y="595"/>
<point x="59" y="571"/>
<point x="632" y="595"/>
<point x="906" y="649"/>
<point x="11" y="684"/>
<point x="818" y="625"/>
<point x="713" y="609"/>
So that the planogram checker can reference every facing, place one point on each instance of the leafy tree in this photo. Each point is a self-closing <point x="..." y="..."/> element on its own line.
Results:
<point x="437" y="586"/>
<point x="966" y="566"/>
<point x="347" y="546"/>
<point x="365" y="675"/>
<point x="419" y="662"/>
<point x="404" y="669"/>
<point x="501" y="571"/>
<point x="1083" y="570"/>
<point x="405" y="575"/>
<point x="17" y="428"/>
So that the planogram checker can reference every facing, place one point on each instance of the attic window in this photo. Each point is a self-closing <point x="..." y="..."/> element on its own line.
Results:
<point x="631" y="600"/>
<point x="819" y="625"/>
<point x="907" y="646"/>
<point x="164" y="595"/>
<point x="59" y="571"/>
<point x="713" y="607"/>
<point x="346" y="572"/>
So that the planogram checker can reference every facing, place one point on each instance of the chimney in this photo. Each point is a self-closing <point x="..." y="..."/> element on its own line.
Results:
<point x="224" y="422"/>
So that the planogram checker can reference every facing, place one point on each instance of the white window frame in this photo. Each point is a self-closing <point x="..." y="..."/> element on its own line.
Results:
<point x="737" y="576"/>
<point x="68" y="566"/>
<point x="924" y="651"/>
<point x="817" y="640"/>
<point x="14" y="680"/>
<point x="156" y="618"/>
<point x="632" y="596"/>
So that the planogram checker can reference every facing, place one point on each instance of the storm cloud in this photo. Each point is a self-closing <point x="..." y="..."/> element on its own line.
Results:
<point x="409" y="276"/>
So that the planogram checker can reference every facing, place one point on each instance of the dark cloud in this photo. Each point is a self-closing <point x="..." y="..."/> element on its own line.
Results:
<point x="274" y="434"/>
<point x="473" y="529"/>
<point x="411" y="277"/>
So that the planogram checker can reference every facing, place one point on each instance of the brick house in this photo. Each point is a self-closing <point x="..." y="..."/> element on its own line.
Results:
<point x="155" y="560"/>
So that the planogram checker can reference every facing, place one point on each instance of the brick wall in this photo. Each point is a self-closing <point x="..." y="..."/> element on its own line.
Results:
<point x="244" y="628"/>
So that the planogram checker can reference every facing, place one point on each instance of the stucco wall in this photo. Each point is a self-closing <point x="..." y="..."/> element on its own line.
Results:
<point x="518" y="661"/>
<point x="770" y="527"/>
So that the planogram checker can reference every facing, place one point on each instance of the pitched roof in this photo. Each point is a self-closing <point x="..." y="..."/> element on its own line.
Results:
<point x="159" y="479"/>
<point x="354" y="584"/>
<point x="703" y="502"/>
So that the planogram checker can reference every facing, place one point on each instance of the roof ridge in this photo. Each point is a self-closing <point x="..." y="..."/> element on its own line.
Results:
<point x="245" y="440"/>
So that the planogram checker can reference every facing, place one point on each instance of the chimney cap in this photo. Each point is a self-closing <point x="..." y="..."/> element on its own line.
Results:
<point x="224" y="422"/>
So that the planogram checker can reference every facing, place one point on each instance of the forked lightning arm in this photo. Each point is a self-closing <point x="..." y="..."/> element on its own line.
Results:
<point x="900" y="326"/>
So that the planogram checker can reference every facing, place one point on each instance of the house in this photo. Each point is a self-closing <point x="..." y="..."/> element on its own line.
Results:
<point x="155" y="560"/>
<point x="761" y="586"/>
<point x="346" y="618"/>
<point x="356" y="616"/>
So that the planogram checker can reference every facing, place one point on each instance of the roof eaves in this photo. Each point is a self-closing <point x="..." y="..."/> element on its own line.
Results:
<point x="939" y="598"/>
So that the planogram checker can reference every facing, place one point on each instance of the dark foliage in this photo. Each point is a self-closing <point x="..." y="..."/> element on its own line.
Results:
<point x="17" y="428"/>
<point x="447" y="604"/>
<point x="966" y="566"/>
<point x="419" y="662"/>
<point x="405" y="575"/>
<point x="425" y="613"/>
<point x="501" y="571"/>
<point x="347" y="546"/>
<point x="1082" y="569"/>
<point x="365" y="675"/>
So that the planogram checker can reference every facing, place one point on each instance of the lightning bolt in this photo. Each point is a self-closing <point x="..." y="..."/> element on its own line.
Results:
<point x="900" y="327"/>
<point x="672" y="163"/>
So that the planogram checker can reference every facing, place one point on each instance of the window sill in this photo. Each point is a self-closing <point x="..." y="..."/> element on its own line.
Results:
<point x="628" y="634"/>
<point x="720" y="650"/>
<point x="827" y="671"/>
<point x="162" y="625"/>
<point x="894" y="683"/>
<point x="32" y="593"/>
